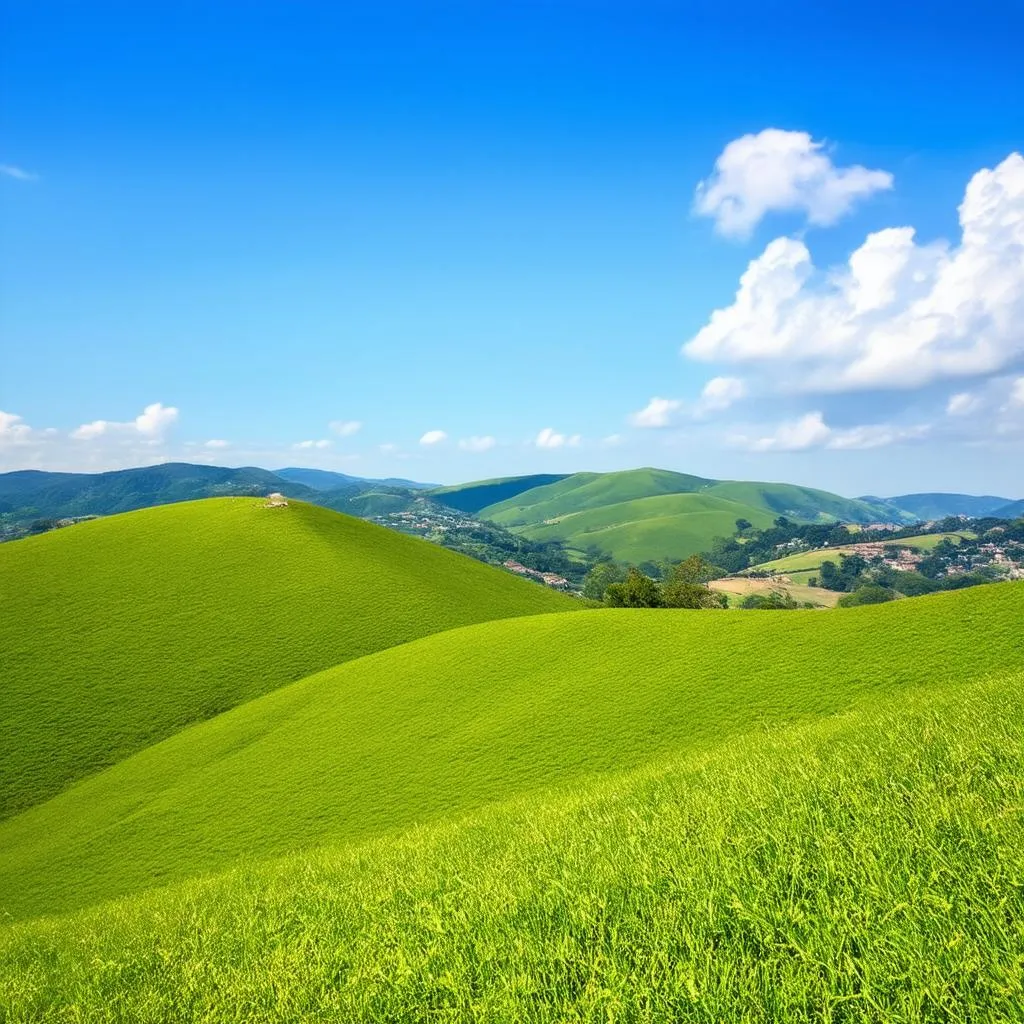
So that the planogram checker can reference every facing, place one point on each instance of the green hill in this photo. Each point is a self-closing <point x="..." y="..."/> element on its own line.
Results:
<point x="698" y="511"/>
<point x="450" y="723"/>
<point x="863" y="867"/>
<point x="118" y="632"/>
<point x="647" y="528"/>
<point x="472" y="497"/>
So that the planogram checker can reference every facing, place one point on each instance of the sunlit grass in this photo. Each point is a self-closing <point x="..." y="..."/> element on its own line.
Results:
<point x="866" y="867"/>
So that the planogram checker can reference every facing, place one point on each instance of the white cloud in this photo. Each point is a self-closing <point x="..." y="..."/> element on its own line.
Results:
<point x="898" y="314"/>
<point x="433" y="437"/>
<point x="781" y="170"/>
<point x="152" y="423"/>
<point x="811" y="431"/>
<point x="1017" y="392"/>
<point x="345" y="428"/>
<point x="217" y="443"/>
<point x="612" y="440"/>
<point x="962" y="404"/>
<point x="658" y="412"/>
<point x="322" y="443"/>
<point x="18" y="173"/>
<point x="549" y="438"/>
<point x="13" y="429"/>
<point x="477" y="444"/>
<point x="388" y="448"/>
<point x="719" y="393"/>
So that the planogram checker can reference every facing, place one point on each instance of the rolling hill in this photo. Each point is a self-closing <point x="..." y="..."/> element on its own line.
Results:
<point x="644" y="529"/>
<point x="325" y="480"/>
<point x="118" y="632"/>
<point x="448" y="724"/>
<point x="859" y="867"/>
<point x="1012" y="511"/>
<point x="698" y="511"/>
<point x="472" y="497"/>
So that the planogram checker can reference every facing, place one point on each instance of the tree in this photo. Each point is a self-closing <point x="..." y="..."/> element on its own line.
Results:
<point x="637" y="591"/>
<point x="869" y="593"/>
<point x="601" y="577"/>
<point x="687" y="586"/>
<point x="774" y="600"/>
<point x="743" y="524"/>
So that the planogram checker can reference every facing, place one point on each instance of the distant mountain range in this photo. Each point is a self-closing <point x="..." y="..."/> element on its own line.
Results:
<point x="938" y="506"/>
<point x="634" y="515"/>
<point x="325" y="480"/>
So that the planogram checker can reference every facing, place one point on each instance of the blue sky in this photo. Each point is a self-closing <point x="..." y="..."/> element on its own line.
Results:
<point x="245" y="222"/>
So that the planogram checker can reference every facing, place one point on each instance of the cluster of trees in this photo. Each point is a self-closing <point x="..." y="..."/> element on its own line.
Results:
<point x="683" y="586"/>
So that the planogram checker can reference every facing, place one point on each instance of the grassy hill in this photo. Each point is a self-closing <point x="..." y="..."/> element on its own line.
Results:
<point x="453" y="722"/>
<point x="864" y="866"/>
<point x="472" y="497"/>
<point x="118" y="632"/>
<point x="646" y="528"/>
<point x="626" y="523"/>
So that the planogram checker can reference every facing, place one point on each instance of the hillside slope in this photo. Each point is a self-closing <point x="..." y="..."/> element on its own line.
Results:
<point x="472" y="497"/>
<point x="120" y="631"/>
<point x="626" y="532"/>
<point x="472" y="716"/>
<point x="864" y="867"/>
<point x="646" y="528"/>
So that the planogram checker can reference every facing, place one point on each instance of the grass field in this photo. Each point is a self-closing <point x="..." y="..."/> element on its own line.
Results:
<point x="645" y="528"/>
<point x="864" y="867"/>
<point x="118" y="632"/>
<point x="461" y="719"/>
<point x="652" y="514"/>
<point x="739" y="587"/>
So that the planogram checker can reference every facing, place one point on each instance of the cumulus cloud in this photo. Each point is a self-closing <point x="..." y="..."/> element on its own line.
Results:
<point x="322" y="443"/>
<point x="217" y="443"/>
<point x="345" y="428"/>
<point x="612" y="440"/>
<point x="549" y="438"/>
<point x="477" y="444"/>
<point x="151" y="424"/>
<point x="899" y="314"/>
<point x="13" y="429"/>
<point x="1017" y="392"/>
<point x="781" y="170"/>
<point x="388" y="448"/>
<point x="18" y="173"/>
<point x="811" y="431"/>
<point x="433" y="437"/>
<point x="658" y="412"/>
<point x="719" y="393"/>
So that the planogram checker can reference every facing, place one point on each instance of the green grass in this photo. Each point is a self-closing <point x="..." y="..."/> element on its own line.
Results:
<point x="799" y="503"/>
<point x="588" y="491"/>
<point x="868" y="867"/>
<point x="653" y="514"/>
<point x="474" y="716"/>
<point x="119" y="632"/>
<point x="646" y="528"/>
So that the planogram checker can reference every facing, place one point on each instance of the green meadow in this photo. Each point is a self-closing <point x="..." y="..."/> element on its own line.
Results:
<point x="310" y="770"/>
<point x="862" y="867"/>
<point x="118" y="632"/>
<point x="652" y="514"/>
